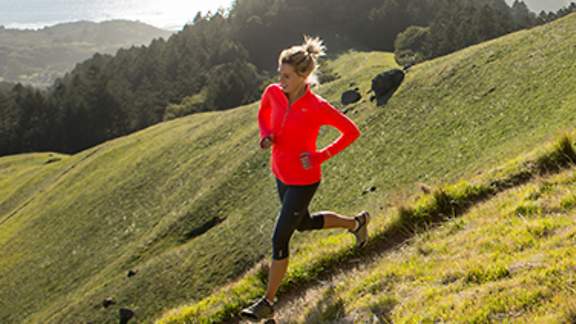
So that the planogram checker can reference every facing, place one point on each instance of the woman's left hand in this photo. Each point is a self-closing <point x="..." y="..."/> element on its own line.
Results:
<point x="310" y="159"/>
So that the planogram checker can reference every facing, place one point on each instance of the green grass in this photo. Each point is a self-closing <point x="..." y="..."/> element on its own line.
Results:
<point x="489" y="265"/>
<point x="79" y="224"/>
<point x="72" y="229"/>
<point x="330" y="252"/>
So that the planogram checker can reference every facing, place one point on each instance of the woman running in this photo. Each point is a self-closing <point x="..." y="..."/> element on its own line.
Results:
<point x="289" y="117"/>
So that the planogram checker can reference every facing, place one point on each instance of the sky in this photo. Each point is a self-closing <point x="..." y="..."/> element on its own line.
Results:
<point x="547" y="5"/>
<point x="166" y="14"/>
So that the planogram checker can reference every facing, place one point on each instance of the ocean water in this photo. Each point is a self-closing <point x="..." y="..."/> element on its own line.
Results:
<point x="166" y="14"/>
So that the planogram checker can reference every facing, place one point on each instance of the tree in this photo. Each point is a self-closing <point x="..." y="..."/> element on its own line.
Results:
<point x="522" y="16"/>
<point x="232" y="83"/>
<point x="411" y="46"/>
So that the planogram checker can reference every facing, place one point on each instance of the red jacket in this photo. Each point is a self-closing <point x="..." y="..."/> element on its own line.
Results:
<point x="294" y="129"/>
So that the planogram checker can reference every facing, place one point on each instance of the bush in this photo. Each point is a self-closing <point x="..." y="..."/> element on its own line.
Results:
<point x="189" y="105"/>
<point x="411" y="45"/>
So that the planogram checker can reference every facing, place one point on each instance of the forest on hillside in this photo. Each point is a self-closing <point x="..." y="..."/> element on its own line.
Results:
<point x="224" y="59"/>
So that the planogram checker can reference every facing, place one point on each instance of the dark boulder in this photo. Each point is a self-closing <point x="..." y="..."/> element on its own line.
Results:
<point x="125" y="315"/>
<point x="350" y="97"/>
<point x="385" y="84"/>
<point x="108" y="302"/>
<point x="52" y="160"/>
<point x="369" y="190"/>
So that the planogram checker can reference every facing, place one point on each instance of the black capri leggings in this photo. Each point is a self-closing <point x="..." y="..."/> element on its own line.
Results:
<point x="293" y="216"/>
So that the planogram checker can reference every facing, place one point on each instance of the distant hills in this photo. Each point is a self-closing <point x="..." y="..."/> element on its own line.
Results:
<point x="38" y="57"/>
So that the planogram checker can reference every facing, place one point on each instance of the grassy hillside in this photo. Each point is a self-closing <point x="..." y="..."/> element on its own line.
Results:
<point x="455" y="117"/>
<point x="328" y="281"/>
<point x="71" y="229"/>
<point x="509" y="258"/>
<point x="190" y="204"/>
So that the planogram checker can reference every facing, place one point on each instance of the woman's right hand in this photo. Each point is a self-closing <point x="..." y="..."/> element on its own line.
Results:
<point x="266" y="142"/>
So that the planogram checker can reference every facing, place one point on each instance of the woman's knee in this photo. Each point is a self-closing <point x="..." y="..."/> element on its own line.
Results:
<point x="311" y="222"/>
<point x="280" y="246"/>
<point x="281" y="241"/>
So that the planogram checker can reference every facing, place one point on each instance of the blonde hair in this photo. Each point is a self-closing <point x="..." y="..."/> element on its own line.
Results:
<point x="304" y="58"/>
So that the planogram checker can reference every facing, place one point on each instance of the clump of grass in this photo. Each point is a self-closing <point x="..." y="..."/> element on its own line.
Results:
<point x="561" y="155"/>
<point x="442" y="203"/>
<point x="333" y="311"/>
<point x="382" y="306"/>
<point x="528" y="208"/>
<point x="568" y="202"/>
<point x="542" y="228"/>
<point x="499" y="308"/>
<point x="456" y="226"/>
<point x="570" y="313"/>
<point x="449" y="278"/>
<point x="546" y="187"/>
<point x="533" y="193"/>
<point x="483" y="274"/>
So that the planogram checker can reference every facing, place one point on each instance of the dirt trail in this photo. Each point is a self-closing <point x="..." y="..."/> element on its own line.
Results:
<point x="291" y="304"/>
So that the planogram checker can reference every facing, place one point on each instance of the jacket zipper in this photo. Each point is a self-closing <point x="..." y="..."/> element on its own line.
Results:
<point x="285" y="116"/>
<point x="287" y="111"/>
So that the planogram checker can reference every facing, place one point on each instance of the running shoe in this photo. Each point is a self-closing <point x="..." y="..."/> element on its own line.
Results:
<point x="261" y="309"/>
<point x="361" y="233"/>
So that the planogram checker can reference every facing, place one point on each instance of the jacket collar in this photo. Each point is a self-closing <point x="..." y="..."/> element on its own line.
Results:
<point x="307" y="93"/>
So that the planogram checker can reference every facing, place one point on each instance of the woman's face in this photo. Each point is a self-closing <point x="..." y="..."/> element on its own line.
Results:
<point x="289" y="79"/>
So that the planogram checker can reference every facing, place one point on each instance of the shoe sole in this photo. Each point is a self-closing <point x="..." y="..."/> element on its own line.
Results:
<point x="252" y="319"/>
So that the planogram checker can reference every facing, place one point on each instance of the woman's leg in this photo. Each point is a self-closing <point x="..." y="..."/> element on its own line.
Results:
<point x="334" y="220"/>
<point x="325" y="219"/>
<point x="277" y="272"/>
<point x="294" y="206"/>
<point x="277" y="267"/>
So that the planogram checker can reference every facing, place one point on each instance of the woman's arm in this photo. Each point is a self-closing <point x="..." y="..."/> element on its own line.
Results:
<point x="350" y="132"/>
<point x="264" y="116"/>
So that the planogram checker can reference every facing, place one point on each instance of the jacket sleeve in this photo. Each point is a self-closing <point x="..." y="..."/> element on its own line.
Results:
<point x="265" y="115"/>
<point x="350" y="132"/>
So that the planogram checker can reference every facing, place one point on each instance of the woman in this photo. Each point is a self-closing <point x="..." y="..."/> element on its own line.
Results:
<point x="290" y="116"/>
